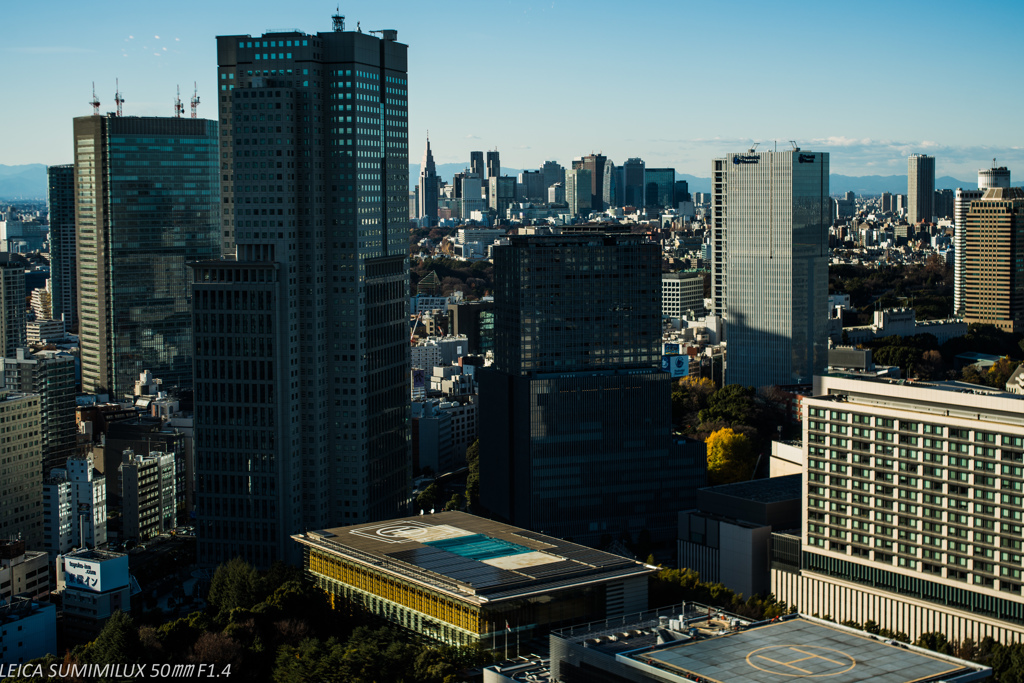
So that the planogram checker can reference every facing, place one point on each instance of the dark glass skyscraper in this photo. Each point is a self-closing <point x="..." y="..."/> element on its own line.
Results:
<point x="633" y="178"/>
<point x="660" y="187"/>
<point x="576" y="436"/>
<point x="302" y="366"/>
<point x="147" y="203"/>
<point x="493" y="164"/>
<point x="60" y="205"/>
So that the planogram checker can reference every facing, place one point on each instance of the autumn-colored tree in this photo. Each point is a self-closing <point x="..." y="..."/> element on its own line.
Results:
<point x="730" y="456"/>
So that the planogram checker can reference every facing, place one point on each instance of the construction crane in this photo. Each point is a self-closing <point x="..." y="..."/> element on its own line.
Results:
<point x="195" y="98"/>
<point x="415" y="324"/>
<point x="179" y="108"/>
<point x="118" y="100"/>
<point x="95" y="102"/>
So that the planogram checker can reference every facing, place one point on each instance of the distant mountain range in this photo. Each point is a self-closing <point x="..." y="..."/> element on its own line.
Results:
<point x="28" y="181"/>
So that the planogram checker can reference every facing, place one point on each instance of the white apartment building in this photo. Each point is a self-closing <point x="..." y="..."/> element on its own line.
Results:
<point x="914" y="507"/>
<point x="74" y="507"/>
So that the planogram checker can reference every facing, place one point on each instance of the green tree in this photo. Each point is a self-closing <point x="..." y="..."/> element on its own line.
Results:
<point x="235" y="584"/>
<point x="730" y="456"/>
<point x="430" y="497"/>
<point x="310" y="660"/>
<point x="456" y="502"/>
<point x="117" y="643"/>
<point x="473" y="478"/>
<point x="733" y="404"/>
<point x="934" y="641"/>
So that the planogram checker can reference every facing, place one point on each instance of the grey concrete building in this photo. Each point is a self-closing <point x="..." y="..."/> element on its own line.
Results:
<point x="51" y="375"/>
<point x="771" y="215"/>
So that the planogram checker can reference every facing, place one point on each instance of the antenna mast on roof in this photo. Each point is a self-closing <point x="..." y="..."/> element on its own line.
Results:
<point x="118" y="100"/>
<point x="179" y="108"/>
<point x="337" y="20"/>
<point x="95" y="102"/>
<point x="195" y="98"/>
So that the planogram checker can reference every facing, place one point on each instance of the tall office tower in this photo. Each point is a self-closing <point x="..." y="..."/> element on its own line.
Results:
<point x="914" y="522"/>
<point x="52" y="376"/>
<point x="885" y="202"/>
<point x="633" y="182"/>
<point x="920" y="188"/>
<point x="147" y="204"/>
<point x="531" y="186"/>
<point x="501" y="193"/>
<point x="302" y="368"/>
<point x="476" y="164"/>
<point x="660" y="184"/>
<point x="12" y="301"/>
<point x="770" y="264"/>
<point x="470" y="190"/>
<point x="943" y="204"/>
<point x="21" y="486"/>
<point x="60" y="205"/>
<point x="993" y="257"/>
<point x="427" y="188"/>
<point x="553" y="173"/>
<point x="577" y="191"/>
<point x="493" y="164"/>
<point x="987" y="178"/>
<point x="681" y="192"/>
<point x="601" y="180"/>
<point x="578" y="430"/>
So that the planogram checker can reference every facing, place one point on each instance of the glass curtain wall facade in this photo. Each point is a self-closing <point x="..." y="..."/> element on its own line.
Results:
<point x="579" y="426"/>
<point x="148" y="203"/>
<point x="659" y="187"/>
<point x="60" y="205"/>
<point x="777" y="215"/>
<point x="302" y="412"/>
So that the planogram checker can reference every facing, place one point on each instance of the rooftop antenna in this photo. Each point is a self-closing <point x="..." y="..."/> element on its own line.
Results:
<point x="117" y="97"/>
<point x="179" y="108"/>
<point x="337" y="20"/>
<point x="95" y="102"/>
<point x="195" y="98"/>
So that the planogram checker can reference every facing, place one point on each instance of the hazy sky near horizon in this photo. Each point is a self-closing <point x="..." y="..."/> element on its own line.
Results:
<point x="676" y="83"/>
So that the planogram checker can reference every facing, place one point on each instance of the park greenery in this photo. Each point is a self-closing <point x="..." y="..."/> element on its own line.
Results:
<point x="927" y="288"/>
<point x="736" y="423"/>
<point x="278" y="626"/>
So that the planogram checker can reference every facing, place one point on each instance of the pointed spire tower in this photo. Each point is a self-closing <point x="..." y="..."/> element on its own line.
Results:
<point x="428" y="188"/>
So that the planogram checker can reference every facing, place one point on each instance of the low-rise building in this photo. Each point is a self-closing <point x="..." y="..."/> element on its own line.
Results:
<point x="28" y="630"/>
<point x="700" y="643"/>
<point x="682" y="294"/>
<point x="464" y="580"/>
<point x="95" y="584"/>
<point x="726" y="537"/>
<point x="147" y="494"/>
<point x="22" y="571"/>
<point x="74" y="507"/>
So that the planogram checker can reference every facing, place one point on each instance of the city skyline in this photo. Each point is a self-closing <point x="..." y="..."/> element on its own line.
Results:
<point x="694" y="114"/>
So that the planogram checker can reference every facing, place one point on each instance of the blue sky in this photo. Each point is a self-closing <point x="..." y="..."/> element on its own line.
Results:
<point x="674" y="82"/>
